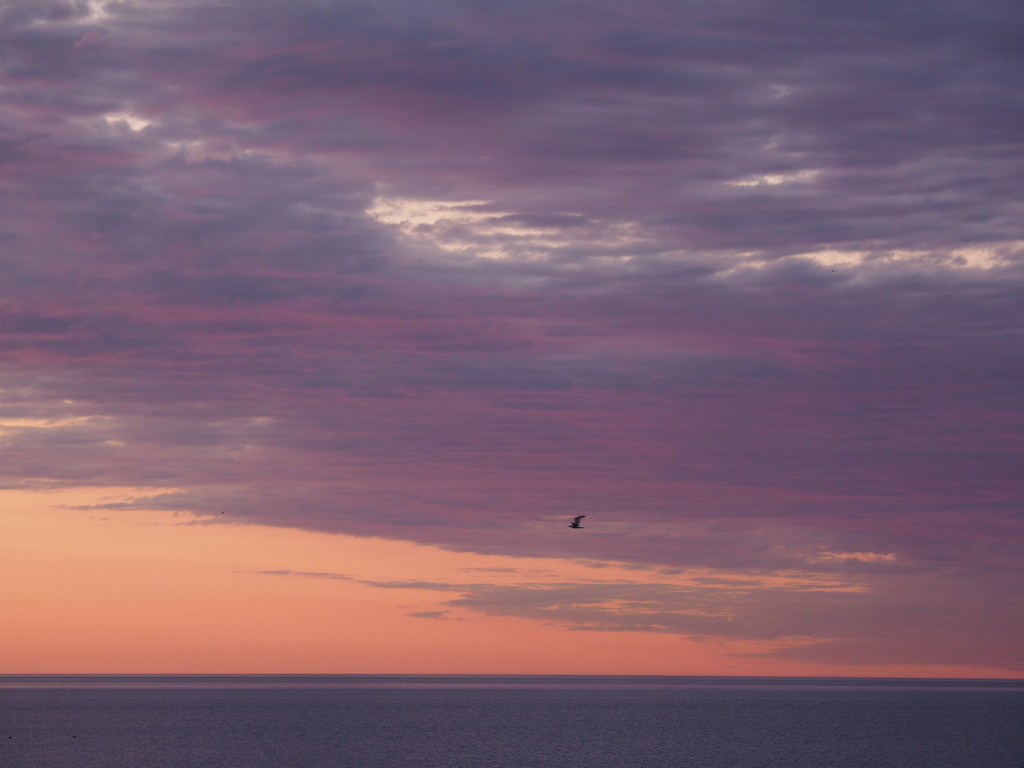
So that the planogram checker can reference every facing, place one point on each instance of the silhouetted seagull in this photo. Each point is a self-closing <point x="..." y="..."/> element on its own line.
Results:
<point x="576" y="521"/>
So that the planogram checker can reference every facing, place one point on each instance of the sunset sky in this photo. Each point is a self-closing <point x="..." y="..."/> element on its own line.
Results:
<point x="321" y="319"/>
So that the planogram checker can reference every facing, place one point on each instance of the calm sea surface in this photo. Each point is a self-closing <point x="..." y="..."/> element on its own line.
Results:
<point x="379" y="721"/>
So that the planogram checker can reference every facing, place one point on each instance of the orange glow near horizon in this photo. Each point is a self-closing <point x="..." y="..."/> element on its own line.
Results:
<point x="155" y="592"/>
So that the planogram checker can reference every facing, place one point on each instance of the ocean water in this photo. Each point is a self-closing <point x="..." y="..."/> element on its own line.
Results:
<point x="507" y="722"/>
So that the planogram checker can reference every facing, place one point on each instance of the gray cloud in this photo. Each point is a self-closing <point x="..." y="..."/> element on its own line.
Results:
<point x="862" y="622"/>
<point x="442" y="615"/>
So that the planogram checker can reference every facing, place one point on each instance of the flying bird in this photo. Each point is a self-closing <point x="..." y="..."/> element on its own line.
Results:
<point x="576" y="521"/>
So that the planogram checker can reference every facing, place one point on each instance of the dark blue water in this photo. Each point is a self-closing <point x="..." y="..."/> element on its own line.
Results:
<point x="507" y="722"/>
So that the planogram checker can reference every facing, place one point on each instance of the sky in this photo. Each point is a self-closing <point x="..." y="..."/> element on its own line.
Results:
<point x="319" y="321"/>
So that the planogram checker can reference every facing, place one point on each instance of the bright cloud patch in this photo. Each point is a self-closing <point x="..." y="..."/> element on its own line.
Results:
<point x="469" y="227"/>
<point x="774" y="179"/>
<point x="860" y="557"/>
<point x="130" y="120"/>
